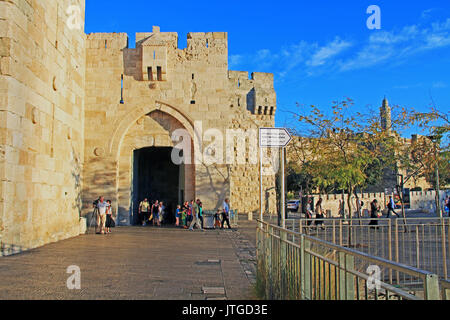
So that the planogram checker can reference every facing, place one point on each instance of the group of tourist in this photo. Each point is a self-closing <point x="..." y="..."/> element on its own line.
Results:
<point x="375" y="211"/>
<point x="151" y="214"/>
<point x="318" y="211"/>
<point x="188" y="216"/>
<point x="104" y="217"/>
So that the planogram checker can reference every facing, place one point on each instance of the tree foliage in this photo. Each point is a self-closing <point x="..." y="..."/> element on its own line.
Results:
<point x="342" y="150"/>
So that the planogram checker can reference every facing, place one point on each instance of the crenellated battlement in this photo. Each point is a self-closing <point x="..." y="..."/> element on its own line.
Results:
<point x="106" y="41"/>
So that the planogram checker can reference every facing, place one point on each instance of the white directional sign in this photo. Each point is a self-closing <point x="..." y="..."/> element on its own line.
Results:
<point x="274" y="137"/>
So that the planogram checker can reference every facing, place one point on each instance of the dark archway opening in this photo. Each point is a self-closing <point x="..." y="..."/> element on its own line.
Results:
<point x="156" y="177"/>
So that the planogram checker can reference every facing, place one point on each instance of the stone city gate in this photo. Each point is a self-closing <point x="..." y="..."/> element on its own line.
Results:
<point x="140" y="162"/>
<point x="145" y="167"/>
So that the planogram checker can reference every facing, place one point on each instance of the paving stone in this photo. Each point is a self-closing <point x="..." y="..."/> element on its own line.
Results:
<point x="135" y="263"/>
<point x="213" y="290"/>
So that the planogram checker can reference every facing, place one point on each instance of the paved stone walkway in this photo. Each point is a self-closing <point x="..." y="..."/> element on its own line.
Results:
<point x="137" y="263"/>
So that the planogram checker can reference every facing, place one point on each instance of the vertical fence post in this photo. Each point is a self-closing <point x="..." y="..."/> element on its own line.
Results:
<point x="350" y="279"/>
<point x="443" y="248"/>
<point x="334" y="231"/>
<point x="341" y="285"/>
<point x="417" y="248"/>
<point x="306" y="269"/>
<point x="346" y="279"/>
<point x="431" y="284"/>
<point x="397" y="258"/>
<point x="301" y="242"/>
<point x="390" y="248"/>
<point x="261" y="262"/>
<point x="283" y="260"/>
<point x="268" y="259"/>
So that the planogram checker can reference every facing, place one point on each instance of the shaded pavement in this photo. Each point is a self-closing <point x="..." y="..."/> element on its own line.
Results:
<point x="138" y="263"/>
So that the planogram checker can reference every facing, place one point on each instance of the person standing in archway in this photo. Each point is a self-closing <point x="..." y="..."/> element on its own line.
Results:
<point x="155" y="212"/>
<point x="160" y="213"/>
<point x="144" y="208"/>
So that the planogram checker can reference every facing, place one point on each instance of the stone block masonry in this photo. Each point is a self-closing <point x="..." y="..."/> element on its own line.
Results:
<point x="42" y="71"/>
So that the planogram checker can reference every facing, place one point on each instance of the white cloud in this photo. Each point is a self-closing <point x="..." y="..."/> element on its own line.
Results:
<point x="426" y="14"/>
<point x="396" y="46"/>
<point x="341" y="55"/>
<point x="235" y="60"/>
<point x="321" y="56"/>
<point x="439" y="85"/>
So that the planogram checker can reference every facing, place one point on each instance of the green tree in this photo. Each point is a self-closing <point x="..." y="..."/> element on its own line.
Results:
<point x="345" y="149"/>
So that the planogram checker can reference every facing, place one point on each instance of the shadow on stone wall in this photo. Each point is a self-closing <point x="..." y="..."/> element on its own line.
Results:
<point x="220" y="189"/>
<point x="76" y="175"/>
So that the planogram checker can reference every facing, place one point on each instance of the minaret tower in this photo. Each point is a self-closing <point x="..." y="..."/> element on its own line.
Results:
<point x="385" y="115"/>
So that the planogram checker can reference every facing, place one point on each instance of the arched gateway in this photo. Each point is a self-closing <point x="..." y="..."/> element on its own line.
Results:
<point x="145" y="168"/>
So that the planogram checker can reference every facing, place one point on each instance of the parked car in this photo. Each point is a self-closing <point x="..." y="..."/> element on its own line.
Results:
<point x="293" y="205"/>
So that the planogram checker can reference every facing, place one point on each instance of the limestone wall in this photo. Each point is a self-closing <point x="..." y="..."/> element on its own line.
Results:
<point x="254" y="104"/>
<point x="42" y="71"/>
<point x="426" y="200"/>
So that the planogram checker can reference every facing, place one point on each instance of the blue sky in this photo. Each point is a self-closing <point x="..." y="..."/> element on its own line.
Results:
<point x="319" y="51"/>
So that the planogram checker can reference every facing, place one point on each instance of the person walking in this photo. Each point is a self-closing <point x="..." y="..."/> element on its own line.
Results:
<point x="190" y="212"/>
<point x="309" y="212"/>
<point x="447" y="206"/>
<point x="184" y="215"/>
<point x="144" y="208"/>
<point x="177" y="216"/>
<point x="102" y="206"/>
<point x="200" y="212"/>
<point x="195" y="214"/>
<point x="391" y="207"/>
<point x="161" y="213"/>
<point x="217" y="223"/>
<point x="110" y="223"/>
<point x="319" y="214"/>
<point x="226" y="214"/>
<point x="374" y="213"/>
<point x="155" y="212"/>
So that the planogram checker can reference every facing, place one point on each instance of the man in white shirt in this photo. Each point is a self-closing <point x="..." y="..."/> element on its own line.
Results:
<point x="226" y="214"/>
<point x="102" y="205"/>
<point x="391" y="207"/>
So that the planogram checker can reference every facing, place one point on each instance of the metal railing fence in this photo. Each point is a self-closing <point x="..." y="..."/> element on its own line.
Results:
<point x="293" y="265"/>
<point x="420" y="242"/>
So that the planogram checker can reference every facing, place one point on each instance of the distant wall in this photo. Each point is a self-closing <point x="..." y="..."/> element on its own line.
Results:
<point x="420" y="200"/>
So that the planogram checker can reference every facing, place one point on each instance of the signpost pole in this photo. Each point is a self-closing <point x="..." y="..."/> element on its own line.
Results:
<point x="283" y="191"/>
<point x="273" y="138"/>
